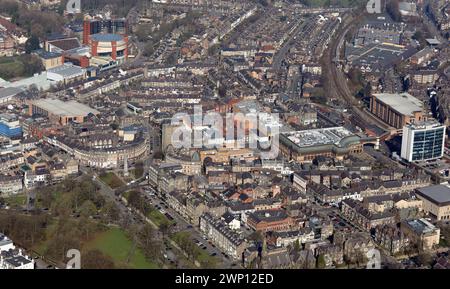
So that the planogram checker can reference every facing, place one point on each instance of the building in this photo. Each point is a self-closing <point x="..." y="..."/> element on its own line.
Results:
<point x="362" y="217"/>
<point x="436" y="201"/>
<point x="50" y="59"/>
<point x="423" y="141"/>
<point x="10" y="185"/>
<point x="285" y="239"/>
<point x="422" y="56"/>
<point x="422" y="232"/>
<point x="7" y="45"/>
<point x="396" y="109"/>
<point x="270" y="220"/>
<point x="109" y="46"/>
<point x="7" y="94"/>
<point x="227" y="240"/>
<point x="61" y="112"/>
<point x="12" y="257"/>
<point x="10" y="126"/>
<point x="62" y="45"/>
<point x="104" y="26"/>
<point x="305" y="146"/>
<point x="66" y="73"/>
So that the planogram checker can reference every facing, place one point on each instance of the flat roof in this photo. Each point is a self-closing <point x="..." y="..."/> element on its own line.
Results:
<point x="47" y="54"/>
<point x="433" y="41"/>
<point x="66" y="70"/>
<point x="106" y="37"/>
<point x="9" y="91"/>
<point x="321" y="136"/>
<point x="437" y="194"/>
<point x="61" y="108"/>
<point x="421" y="226"/>
<point x="404" y="103"/>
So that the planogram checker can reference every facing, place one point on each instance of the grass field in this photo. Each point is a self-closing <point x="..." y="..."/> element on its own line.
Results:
<point x="116" y="244"/>
<point x="10" y="67"/>
<point x="16" y="200"/>
<point x="111" y="180"/>
<point x="158" y="218"/>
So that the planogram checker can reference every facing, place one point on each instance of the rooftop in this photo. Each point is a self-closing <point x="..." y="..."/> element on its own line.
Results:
<point x="106" y="37"/>
<point x="66" y="44"/>
<point x="66" y="70"/>
<point x="47" y="54"/>
<point x="404" y="103"/>
<point x="429" y="124"/>
<point x="421" y="226"/>
<point x="437" y="194"/>
<point x="322" y="136"/>
<point x="61" y="108"/>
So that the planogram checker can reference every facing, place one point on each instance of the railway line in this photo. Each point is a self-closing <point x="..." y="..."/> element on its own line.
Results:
<point x="337" y="82"/>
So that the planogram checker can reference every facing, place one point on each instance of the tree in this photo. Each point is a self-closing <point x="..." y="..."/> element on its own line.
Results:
<point x="150" y="245"/>
<point x="297" y="247"/>
<point x="111" y="211"/>
<point x="392" y="8"/>
<point x="32" y="44"/>
<point x="425" y="259"/>
<point x="95" y="259"/>
<point x="321" y="263"/>
<point x="88" y="209"/>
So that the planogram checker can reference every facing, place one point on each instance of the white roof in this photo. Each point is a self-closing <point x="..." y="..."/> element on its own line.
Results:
<point x="404" y="103"/>
<point x="61" y="108"/>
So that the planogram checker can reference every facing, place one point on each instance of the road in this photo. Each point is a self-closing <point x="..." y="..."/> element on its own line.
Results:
<point x="130" y="217"/>
<point x="183" y="226"/>
<point x="281" y="54"/>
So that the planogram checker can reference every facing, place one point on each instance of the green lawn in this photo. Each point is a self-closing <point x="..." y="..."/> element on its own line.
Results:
<point x="11" y="67"/>
<point x="16" y="200"/>
<point x="116" y="244"/>
<point x="158" y="218"/>
<point x="111" y="180"/>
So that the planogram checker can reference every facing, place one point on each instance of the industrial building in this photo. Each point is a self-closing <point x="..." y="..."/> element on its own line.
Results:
<point x="66" y="73"/>
<point x="396" y="109"/>
<point x="61" y="112"/>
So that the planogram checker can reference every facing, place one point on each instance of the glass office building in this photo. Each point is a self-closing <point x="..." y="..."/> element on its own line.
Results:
<point x="423" y="141"/>
<point x="9" y="126"/>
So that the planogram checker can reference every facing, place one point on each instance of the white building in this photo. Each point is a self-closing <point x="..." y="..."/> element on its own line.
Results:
<point x="12" y="257"/>
<point x="423" y="141"/>
<point x="65" y="73"/>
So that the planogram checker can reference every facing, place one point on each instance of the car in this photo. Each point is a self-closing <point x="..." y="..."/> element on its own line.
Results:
<point x="189" y="227"/>
<point x="213" y="254"/>
<point x="204" y="247"/>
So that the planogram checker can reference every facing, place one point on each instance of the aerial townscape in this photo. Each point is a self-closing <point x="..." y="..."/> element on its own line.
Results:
<point x="224" y="134"/>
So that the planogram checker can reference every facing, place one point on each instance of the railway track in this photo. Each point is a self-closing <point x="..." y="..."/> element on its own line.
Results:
<point x="338" y="83"/>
